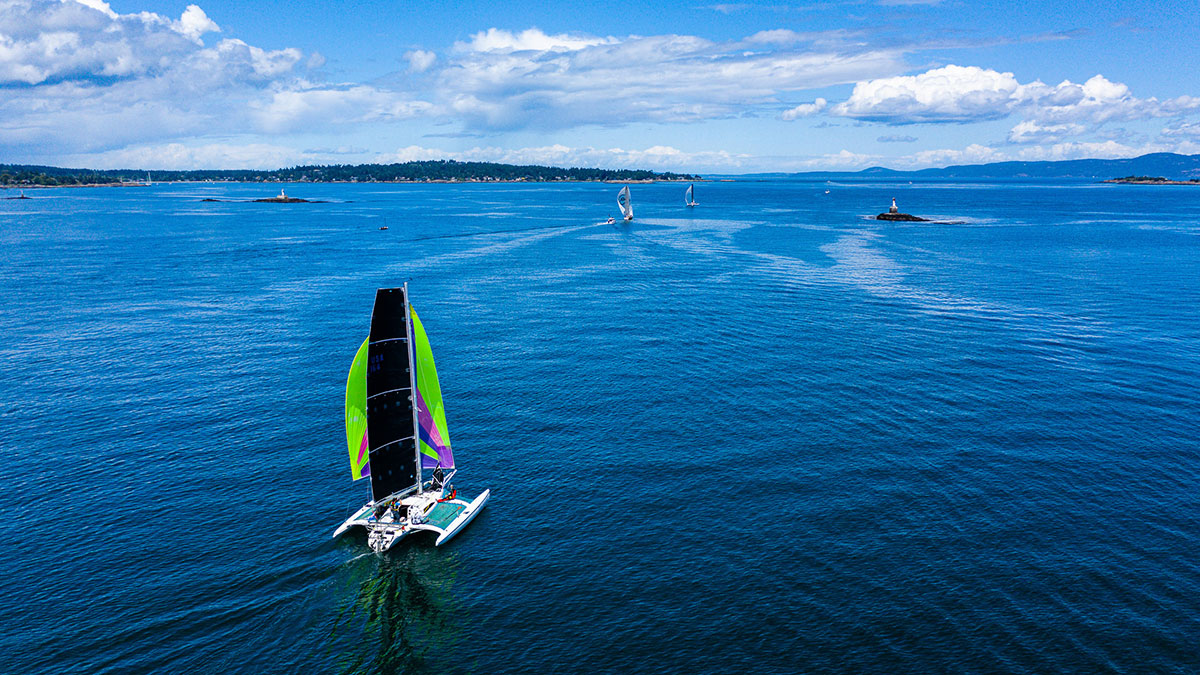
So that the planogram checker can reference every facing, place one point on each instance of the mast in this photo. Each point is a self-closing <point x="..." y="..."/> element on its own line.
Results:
<point x="412" y="384"/>
<point x="389" y="400"/>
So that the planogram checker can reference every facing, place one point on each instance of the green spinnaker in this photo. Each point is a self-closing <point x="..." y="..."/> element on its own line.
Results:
<point x="431" y="413"/>
<point x="356" y="413"/>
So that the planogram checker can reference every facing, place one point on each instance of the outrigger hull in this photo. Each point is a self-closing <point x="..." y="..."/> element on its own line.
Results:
<point x="464" y="518"/>
<point x="446" y="517"/>
<point x="360" y="518"/>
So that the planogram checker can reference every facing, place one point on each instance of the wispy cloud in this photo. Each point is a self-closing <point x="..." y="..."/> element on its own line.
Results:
<point x="531" y="40"/>
<point x="972" y="154"/>
<point x="1182" y="130"/>
<point x="1030" y="131"/>
<point x="500" y="80"/>
<point x="272" y="156"/>
<point x="1081" y="150"/>
<point x="181" y="156"/>
<point x="980" y="154"/>
<point x="663" y="158"/>
<point x="303" y="106"/>
<point x="740" y="7"/>
<point x="420" y="60"/>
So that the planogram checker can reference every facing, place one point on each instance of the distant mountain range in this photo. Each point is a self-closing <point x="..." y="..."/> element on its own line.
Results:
<point x="1165" y="164"/>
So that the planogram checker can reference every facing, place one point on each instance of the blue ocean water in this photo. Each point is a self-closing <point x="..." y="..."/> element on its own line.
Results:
<point x="766" y="434"/>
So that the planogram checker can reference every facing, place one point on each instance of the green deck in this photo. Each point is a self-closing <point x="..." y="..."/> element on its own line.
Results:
<point x="443" y="514"/>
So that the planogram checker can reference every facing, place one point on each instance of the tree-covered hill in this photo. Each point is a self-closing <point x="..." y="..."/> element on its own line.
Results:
<point x="19" y="175"/>
<point x="424" y="171"/>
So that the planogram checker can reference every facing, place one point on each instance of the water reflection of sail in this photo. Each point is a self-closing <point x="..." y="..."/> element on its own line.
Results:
<point x="403" y="617"/>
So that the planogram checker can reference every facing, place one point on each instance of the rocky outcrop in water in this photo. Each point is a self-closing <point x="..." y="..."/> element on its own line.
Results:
<point x="282" y="200"/>
<point x="894" y="214"/>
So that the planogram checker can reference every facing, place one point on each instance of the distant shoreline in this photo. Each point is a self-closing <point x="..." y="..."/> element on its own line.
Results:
<point x="426" y="171"/>
<point x="639" y="181"/>
<point x="1150" y="180"/>
<point x="75" y="185"/>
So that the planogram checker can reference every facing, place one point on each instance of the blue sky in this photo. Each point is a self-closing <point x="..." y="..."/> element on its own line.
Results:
<point x="707" y="87"/>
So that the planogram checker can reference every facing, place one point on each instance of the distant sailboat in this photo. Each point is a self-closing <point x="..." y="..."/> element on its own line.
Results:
<point x="625" y="204"/>
<point x="689" y="196"/>
<point x="396" y="432"/>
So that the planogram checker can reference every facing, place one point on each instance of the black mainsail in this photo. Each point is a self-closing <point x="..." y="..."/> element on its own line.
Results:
<point x="392" y="441"/>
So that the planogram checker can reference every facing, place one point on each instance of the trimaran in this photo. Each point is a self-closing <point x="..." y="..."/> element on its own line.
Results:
<point x="396" y="432"/>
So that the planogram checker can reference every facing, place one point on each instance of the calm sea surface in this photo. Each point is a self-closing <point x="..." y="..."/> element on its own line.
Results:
<point x="763" y="435"/>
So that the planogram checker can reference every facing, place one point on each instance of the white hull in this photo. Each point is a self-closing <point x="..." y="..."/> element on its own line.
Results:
<point x="468" y="514"/>
<point x="427" y="511"/>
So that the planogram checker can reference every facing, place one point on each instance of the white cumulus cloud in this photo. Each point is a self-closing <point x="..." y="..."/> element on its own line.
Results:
<point x="99" y="6"/>
<point x="194" y="23"/>
<point x="80" y="77"/>
<point x="53" y="40"/>
<point x="805" y="109"/>
<point x="962" y="94"/>
<point x="420" y="60"/>
<point x="949" y="94"/>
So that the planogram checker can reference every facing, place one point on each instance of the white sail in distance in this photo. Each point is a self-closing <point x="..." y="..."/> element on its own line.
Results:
<point x="624" y="202"/>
